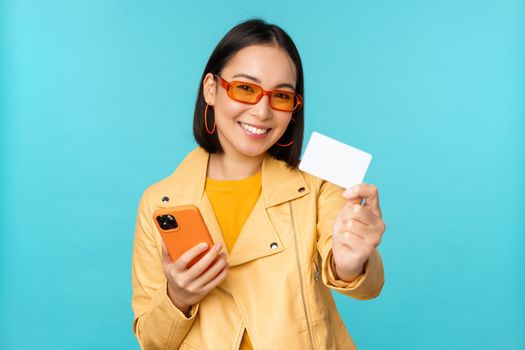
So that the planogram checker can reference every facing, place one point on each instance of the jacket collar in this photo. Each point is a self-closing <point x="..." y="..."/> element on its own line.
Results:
<point x="258" y="237"/>
<point x="279" y="183"/>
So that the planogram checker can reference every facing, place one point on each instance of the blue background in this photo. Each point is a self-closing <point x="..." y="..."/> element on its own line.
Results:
<point x="96" y="103"/>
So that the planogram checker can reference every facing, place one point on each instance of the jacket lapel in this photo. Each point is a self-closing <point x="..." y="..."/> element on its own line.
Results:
<point x="258" y="237"/>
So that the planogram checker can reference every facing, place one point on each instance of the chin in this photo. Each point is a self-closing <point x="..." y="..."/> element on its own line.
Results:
<point x="252" y="151"/>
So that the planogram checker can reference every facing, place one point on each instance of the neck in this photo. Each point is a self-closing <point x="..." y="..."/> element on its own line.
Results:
<point x="223" y="166"/>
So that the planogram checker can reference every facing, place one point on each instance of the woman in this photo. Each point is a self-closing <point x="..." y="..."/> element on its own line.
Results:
<point x="282" y="237"/>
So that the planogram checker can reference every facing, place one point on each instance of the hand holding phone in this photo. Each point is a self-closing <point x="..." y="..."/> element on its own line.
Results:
<point x="192" y="264"/>
<point x="182" y="228"/>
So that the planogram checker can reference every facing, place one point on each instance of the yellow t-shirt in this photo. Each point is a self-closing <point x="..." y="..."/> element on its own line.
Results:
<point x="232" y="202"/>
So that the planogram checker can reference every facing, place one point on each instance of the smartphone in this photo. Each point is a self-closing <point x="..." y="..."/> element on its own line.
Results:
<point x="181" y="228"/>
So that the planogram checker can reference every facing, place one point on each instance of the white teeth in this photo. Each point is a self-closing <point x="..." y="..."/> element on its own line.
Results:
<point x="253" y="129"/>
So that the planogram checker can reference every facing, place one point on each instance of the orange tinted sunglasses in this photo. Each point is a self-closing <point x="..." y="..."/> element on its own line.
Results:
<point x="251" y="93"/>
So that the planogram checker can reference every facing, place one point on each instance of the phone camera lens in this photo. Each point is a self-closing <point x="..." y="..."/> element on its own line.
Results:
<point x="167" y="222"/>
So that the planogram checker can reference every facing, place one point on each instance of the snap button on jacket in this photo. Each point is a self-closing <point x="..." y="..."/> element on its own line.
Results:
<point x="273" y="289"/>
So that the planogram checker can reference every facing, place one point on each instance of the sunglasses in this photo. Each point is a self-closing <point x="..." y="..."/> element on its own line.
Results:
<point x="250" y="93"/>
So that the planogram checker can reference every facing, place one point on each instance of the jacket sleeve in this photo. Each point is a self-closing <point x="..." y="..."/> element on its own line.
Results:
<point x="157" y="324"/>
<point x="366" y="286"/>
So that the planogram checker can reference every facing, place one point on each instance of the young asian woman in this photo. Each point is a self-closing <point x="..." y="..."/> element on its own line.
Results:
<point x="283" y="238"/>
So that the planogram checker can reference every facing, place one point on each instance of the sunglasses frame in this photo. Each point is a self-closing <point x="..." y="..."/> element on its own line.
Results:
<point x="226" y="85"/>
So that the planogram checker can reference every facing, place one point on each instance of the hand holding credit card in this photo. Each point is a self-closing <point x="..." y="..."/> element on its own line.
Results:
<point x="358" y="227"/>
<point x="334" y="161"/>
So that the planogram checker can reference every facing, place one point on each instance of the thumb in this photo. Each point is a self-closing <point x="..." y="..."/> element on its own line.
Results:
<point x="352" y="196"/>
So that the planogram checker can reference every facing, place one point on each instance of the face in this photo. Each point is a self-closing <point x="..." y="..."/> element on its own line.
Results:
<point x="250" y="130"/>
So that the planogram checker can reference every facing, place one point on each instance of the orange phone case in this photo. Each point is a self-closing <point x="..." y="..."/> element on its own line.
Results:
<point x="190" y="231"/>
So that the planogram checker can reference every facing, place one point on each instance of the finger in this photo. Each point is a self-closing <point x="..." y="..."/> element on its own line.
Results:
<point x="166" y="258"/>
<point x="201" y="265"/>
<point x="217" y="280"/>
<point x="369" y="233"/>
<point x="355" y="226"/>
<point x="361" y="214"/>
<point x="183" y="261"/>
<point x="352" y="199"/>
<point x="354" y="242"/>
<point x="368" y="192"/>
<point x="347" y="237"/>
<point x="208" y="275"/>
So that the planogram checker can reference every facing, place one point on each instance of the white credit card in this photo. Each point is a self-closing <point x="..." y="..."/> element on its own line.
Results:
<point x="334" y="161"/>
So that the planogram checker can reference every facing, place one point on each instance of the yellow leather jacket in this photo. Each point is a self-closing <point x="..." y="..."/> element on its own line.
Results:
<point x="281" y="267"/>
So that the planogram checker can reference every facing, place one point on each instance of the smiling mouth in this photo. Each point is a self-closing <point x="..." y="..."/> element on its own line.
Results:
<point x="253" y="130"/>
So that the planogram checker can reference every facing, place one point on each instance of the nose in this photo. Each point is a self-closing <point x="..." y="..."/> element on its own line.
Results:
<point x="262" y="109"/>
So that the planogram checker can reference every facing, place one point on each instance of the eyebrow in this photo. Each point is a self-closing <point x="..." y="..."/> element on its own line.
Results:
<point x="243" y="75"/>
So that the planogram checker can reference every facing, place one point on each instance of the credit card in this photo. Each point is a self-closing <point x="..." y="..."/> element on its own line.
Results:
<point x="334" y="161"/>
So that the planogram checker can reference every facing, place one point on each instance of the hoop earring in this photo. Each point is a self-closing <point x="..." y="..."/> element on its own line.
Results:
<point x="287" y="144"/>
<point x="206" y="121"/>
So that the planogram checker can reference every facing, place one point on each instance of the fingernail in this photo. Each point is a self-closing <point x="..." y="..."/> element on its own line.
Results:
<point x="218" y="247"/>
<point x="203" y="246"/>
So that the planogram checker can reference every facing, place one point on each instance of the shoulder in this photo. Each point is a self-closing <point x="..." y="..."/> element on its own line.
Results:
<point x="184" y="175"/>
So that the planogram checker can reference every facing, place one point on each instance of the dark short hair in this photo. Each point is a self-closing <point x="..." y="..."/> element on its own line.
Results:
<point x="248" y="33"/>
